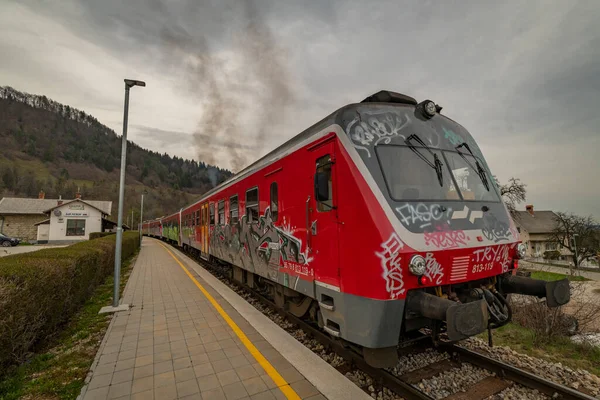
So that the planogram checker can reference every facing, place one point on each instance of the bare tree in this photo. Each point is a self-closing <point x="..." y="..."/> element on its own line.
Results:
<point x="573" y="229"/>
<point x="512" y="194"/>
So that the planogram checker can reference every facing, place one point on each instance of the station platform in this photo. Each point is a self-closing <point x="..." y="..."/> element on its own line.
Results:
<point x="188" y="336"/>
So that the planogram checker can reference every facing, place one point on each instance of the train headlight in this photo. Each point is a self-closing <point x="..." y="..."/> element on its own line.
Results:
<point x="417" y="265"/>
<point x="429" y="108"/>
<point x="521" y="249"/>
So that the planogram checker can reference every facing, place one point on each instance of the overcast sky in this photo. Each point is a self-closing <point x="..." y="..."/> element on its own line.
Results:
<point x="522" y="76"/>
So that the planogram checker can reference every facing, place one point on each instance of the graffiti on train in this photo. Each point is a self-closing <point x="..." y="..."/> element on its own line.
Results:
<point x="171" y="231"/>
<point x="367" y="130"/>
<point x="494" y="229"/>
<point x="261" y="247"/>
<point x="390" y="263"/>
<point x="442" y="237"/>
<point x="423" y="215"/>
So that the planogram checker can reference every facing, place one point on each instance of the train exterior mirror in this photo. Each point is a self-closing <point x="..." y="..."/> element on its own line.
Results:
<point x="321" y="186"/>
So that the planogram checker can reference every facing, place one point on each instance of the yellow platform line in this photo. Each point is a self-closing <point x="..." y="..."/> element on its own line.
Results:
<point x="269" y="369"/>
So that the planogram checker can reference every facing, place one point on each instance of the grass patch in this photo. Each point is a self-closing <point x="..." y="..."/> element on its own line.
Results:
<point x="33" y="166"/>
<point x="563" y="350"/>
<point x="59" y="371"/>
<point x="552" y="276"/>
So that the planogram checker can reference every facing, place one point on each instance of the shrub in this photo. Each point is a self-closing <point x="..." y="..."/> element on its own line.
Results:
<point x="39" y="291"/>
<point x="552" y="255"/>
<point x="579" y="315"/>
<point x="96" y="235"/>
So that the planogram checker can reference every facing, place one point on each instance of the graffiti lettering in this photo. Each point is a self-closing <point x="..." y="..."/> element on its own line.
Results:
<point x="260" y="247"/>
<point x="433" y="269"/>
<point x="378" y="128"/>
<point x="494" y="254"/>
<point x="422" y="214"/>
<point x="390" y="262"/>
<point x="495" y="230"/>
<point x="446" y="238"/>
<point x="452" y="137"/>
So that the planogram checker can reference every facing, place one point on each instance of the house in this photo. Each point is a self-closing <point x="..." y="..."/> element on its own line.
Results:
<point x="535" y="229"/>
<point x="53" y="220"/>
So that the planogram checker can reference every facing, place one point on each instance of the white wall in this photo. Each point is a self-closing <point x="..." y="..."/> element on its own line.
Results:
<point x="43" y="233"/>
<point x="74" y="210"/>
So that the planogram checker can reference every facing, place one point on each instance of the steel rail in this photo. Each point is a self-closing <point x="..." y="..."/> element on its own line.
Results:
<point x="515" y="374"/>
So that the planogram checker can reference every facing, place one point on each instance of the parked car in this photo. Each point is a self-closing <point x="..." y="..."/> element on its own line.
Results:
<point x="7" y="241"/>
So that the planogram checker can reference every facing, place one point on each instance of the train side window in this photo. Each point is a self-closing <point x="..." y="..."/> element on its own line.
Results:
<point x="212" y="213"/>
<point x="252" y="205"/>
<point x="274" y="201"/>
<point x="221" y="209"/>
<point x="323" y="185"/>
<point x="198" y="217"/>
<point x="234" y="209"/>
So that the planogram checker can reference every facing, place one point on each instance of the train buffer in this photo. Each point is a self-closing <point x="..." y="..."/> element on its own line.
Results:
<point x="187" y="335"/>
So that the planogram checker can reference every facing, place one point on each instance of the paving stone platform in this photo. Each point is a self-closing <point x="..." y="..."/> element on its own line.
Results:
<point x="174" y="344"/>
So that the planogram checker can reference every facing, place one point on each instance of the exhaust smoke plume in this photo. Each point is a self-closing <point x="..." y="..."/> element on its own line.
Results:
<point x="244" y="87"/>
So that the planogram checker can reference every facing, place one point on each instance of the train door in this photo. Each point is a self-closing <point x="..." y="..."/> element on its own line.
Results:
<point x="204" y="230"/>
<point x="323" y="219"/>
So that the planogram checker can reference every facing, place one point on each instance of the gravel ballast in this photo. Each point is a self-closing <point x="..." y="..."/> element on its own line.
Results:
<point x="556" y="372"/>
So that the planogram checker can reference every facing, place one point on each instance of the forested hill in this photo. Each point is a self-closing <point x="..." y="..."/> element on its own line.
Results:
<point x="56" y="148"/>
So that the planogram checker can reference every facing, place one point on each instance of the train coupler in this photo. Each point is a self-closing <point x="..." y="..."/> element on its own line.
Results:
<point x="463" y="320"/>
<point x="557" y="293"/>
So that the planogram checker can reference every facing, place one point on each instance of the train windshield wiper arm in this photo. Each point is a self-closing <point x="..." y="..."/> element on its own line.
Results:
<point x="477" y="168"/>
<point x="436" y="164"/>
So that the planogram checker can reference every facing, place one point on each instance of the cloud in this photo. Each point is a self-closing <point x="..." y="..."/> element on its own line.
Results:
<point x="523" y="78"/>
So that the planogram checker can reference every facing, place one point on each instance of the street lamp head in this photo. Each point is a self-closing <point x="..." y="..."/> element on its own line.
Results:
<point x="132" y="82"/>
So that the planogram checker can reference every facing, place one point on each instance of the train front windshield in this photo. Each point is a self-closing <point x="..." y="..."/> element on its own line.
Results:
<point x="412" y="173"/>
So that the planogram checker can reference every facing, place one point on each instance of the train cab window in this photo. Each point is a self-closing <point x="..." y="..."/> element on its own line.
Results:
<point x="323" y="185"/>
<point x="221" y="209"/>
<point x="212" y="213"/>
<point x="274" y="201"/>
<point x="234" y="209"/>
<point x="252" y="205"/>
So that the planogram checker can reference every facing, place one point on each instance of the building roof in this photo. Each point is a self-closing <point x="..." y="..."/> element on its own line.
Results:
<point x="91" y="203"/>
<point x="16" y="205"/>
<point x="539" y="222"/>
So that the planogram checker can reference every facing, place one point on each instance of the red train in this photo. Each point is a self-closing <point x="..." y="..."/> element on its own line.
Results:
<point x="378" y="221"/>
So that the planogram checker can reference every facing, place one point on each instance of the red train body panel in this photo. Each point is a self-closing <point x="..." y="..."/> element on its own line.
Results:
<point x="381" y="213"/>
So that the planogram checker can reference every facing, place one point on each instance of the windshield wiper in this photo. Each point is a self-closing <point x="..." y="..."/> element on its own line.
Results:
<point x="436" y="164"/>
<point x="477" y="168"/>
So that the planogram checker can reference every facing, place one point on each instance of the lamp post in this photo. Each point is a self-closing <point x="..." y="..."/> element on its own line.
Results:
<point x="142" y="216"/>
<point x="129" y="83"/>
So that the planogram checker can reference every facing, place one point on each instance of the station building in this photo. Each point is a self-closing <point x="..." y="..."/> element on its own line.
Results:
<point x="44" y="220"/>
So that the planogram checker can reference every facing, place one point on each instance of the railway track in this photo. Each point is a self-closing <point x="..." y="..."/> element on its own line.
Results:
<point x="409" y="384"/>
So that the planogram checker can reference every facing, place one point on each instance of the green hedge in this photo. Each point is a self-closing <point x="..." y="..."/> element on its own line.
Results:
<point x="96" y="235"/>
<point x="39" y="291"/>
